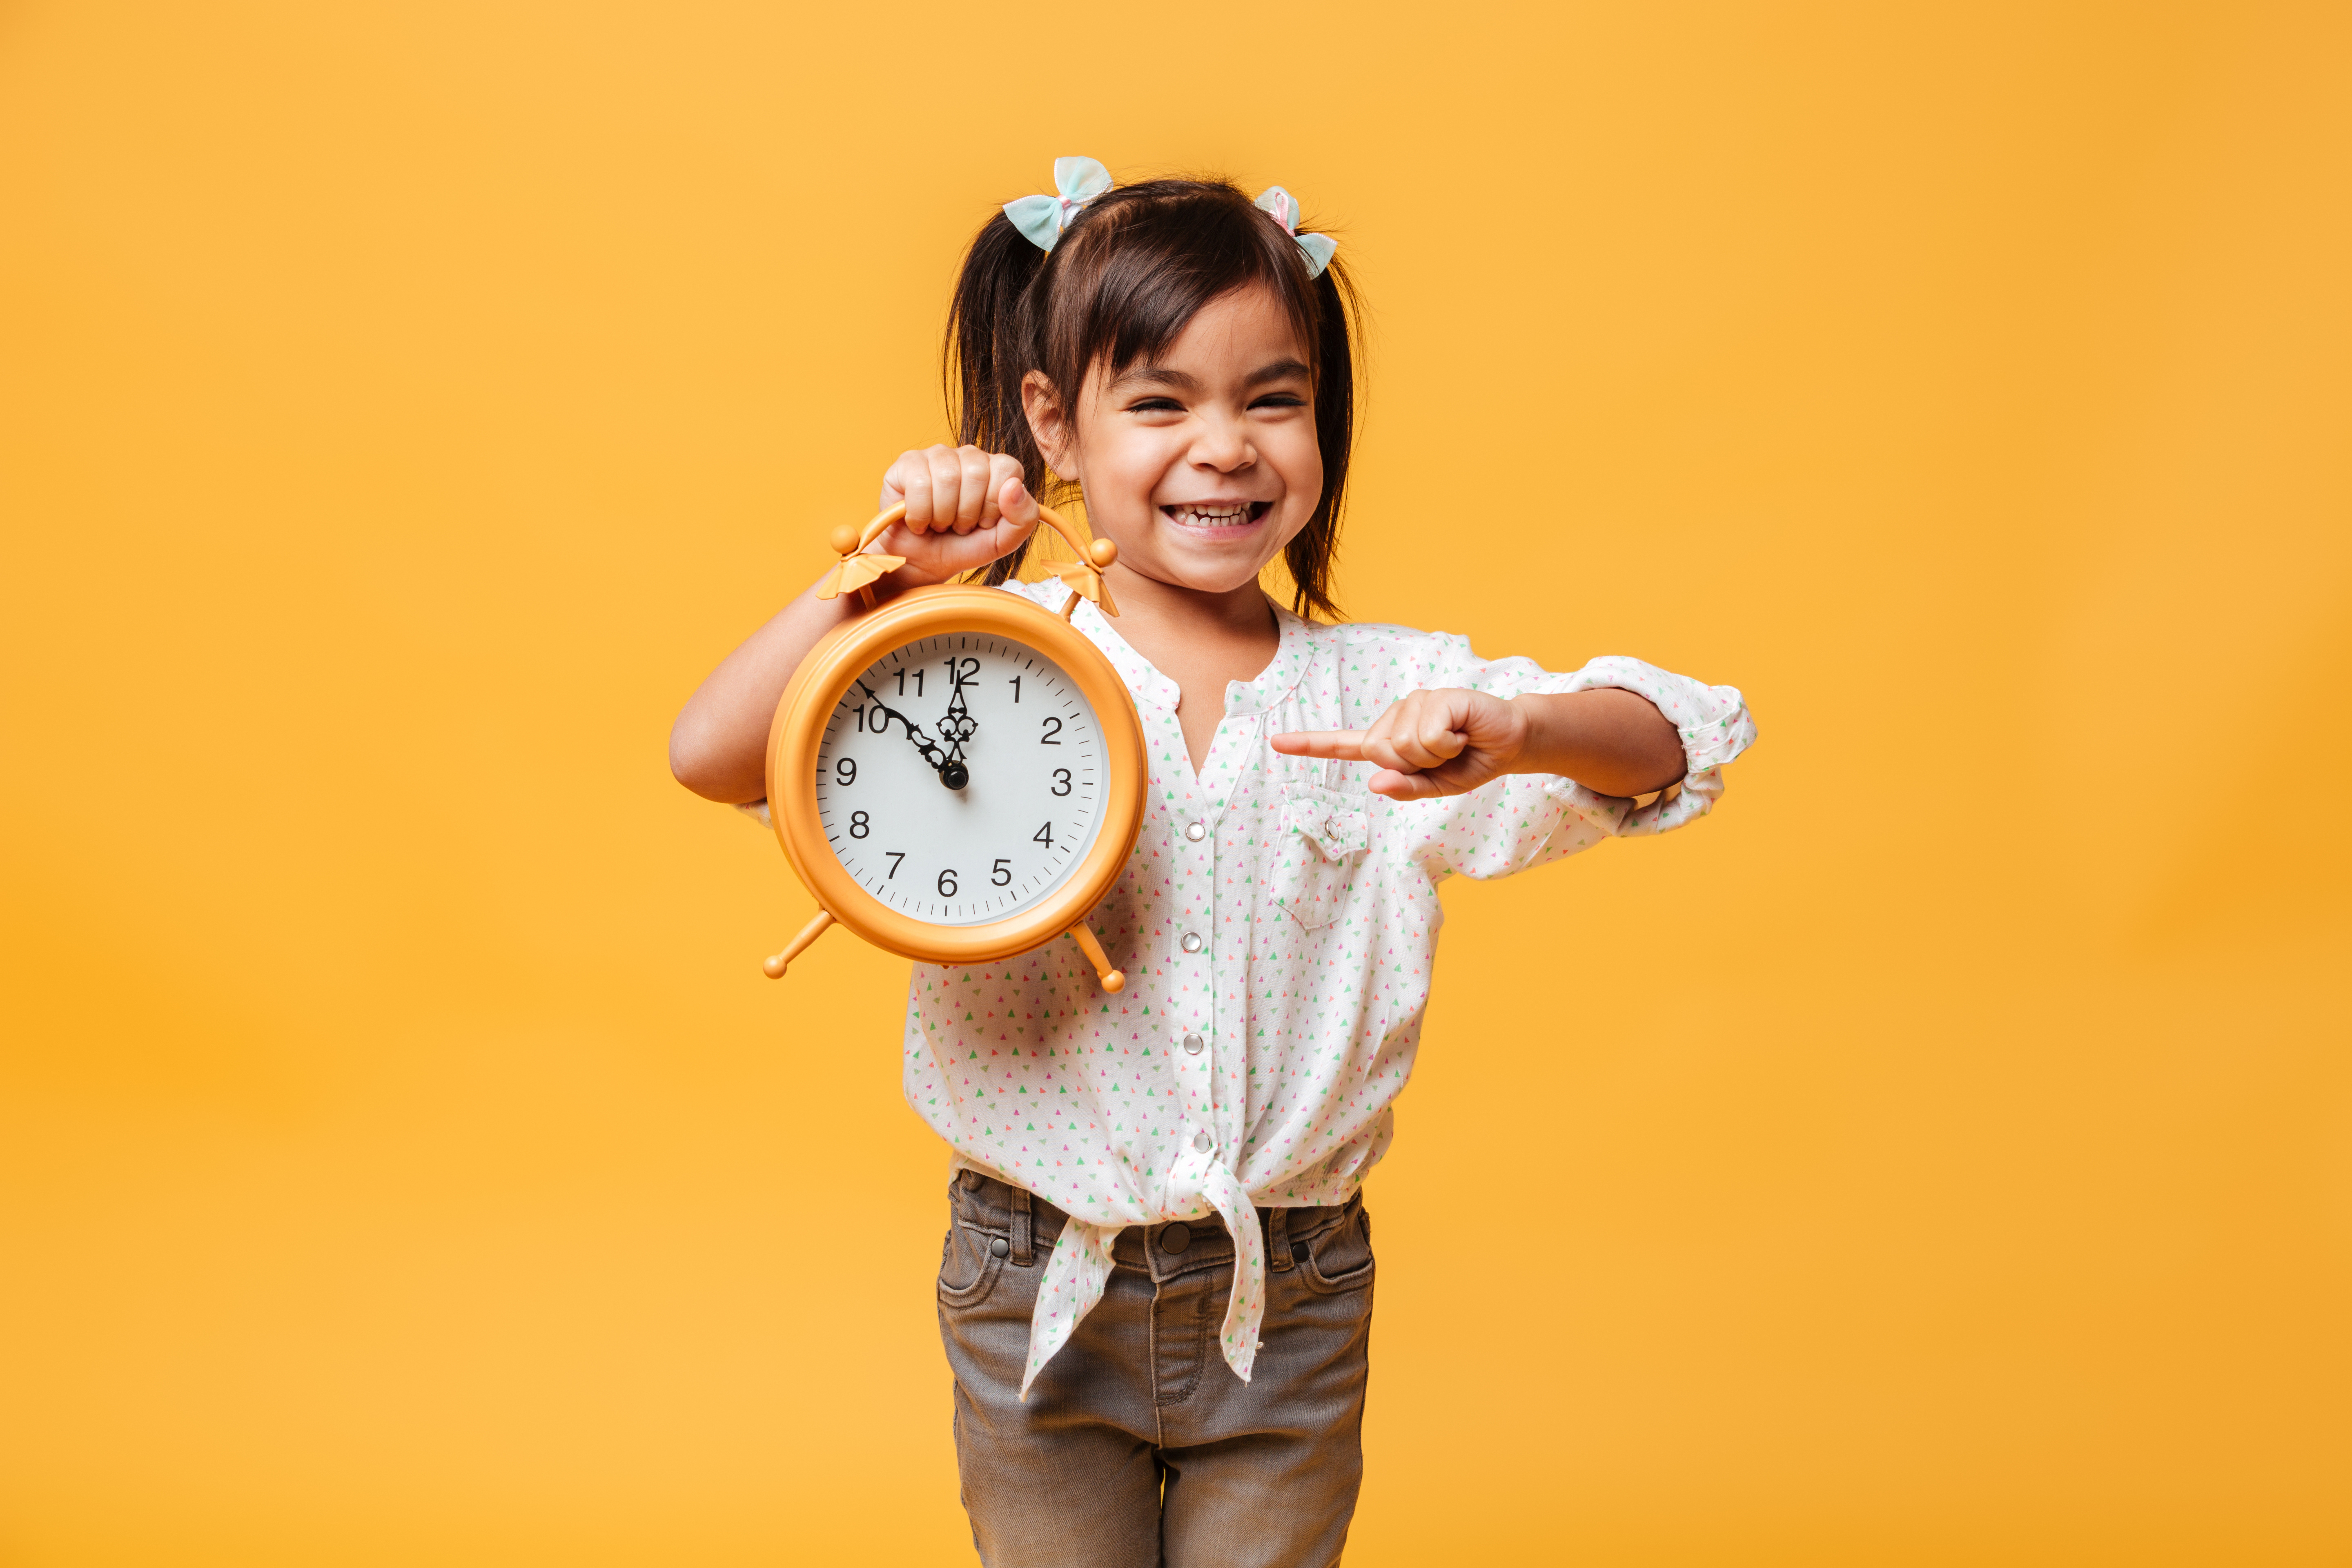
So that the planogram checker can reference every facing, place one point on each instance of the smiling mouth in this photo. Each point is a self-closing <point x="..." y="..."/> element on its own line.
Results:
<point x="1224" y="514"/>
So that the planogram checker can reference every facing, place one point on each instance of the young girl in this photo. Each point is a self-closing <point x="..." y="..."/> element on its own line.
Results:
<point x="1156" y="1289"/>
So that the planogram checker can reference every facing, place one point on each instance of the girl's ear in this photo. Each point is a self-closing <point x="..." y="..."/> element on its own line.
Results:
<point x="1050" y="424"/>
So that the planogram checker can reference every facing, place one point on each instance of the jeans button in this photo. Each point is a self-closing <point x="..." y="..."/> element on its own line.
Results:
<point x="1201" y="1141"/>
<point x="998" y="1246"/>
<point x="1175" y="1239"/>
<point x="1192" y="943"/>
<point x="1196" y="831"/>
<point x="1193" y="1044"/>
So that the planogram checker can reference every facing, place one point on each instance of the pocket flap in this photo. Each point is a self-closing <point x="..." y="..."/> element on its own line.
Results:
<point x="1335" y="820"/>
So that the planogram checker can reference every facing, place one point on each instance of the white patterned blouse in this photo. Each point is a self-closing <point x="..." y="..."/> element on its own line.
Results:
<point x="1277" y="924"/>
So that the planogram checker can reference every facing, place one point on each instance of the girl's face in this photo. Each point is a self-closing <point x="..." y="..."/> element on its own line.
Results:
<point x="1202" y="465"/>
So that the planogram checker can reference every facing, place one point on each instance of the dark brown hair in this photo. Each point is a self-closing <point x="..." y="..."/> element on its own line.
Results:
<point x="1125" y="276"/>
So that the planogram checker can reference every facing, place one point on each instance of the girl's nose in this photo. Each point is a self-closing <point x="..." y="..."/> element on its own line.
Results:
<point x="1223" y="445"/>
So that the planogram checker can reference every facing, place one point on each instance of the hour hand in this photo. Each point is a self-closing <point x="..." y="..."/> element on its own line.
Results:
<point x="923" y="743"/>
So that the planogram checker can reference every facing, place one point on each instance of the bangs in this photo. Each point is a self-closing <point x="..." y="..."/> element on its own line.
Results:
<point x="1134" y="276"/>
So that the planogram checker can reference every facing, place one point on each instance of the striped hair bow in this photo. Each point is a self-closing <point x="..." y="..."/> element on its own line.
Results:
<point x="1283" y="208"/>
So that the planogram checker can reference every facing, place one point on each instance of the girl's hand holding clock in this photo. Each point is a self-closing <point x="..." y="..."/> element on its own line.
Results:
<point x="965" y="507"/>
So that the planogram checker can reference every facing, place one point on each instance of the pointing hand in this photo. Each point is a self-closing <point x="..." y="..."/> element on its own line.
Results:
<point x="1428" y="743"/>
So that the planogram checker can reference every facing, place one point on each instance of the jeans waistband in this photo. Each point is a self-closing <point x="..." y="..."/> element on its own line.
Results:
<point x="1032" y="1226"/>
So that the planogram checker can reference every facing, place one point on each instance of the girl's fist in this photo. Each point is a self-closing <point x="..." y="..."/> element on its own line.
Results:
<point x="964" y="509"/>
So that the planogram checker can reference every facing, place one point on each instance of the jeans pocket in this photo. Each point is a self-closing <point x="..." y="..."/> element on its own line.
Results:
<point x="967" y="1255"/>
<point x="1342" y="1257"/>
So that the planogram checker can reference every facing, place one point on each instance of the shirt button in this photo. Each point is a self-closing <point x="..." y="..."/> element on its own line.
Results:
<point x="998" y="1246"/>
<point x="1201" y="1141"/>
<point x="1174" y="1239"/>
<point x="1193" y="1044"/>
<point x="1192" y="943"/>
<point x="1196" y="831"/>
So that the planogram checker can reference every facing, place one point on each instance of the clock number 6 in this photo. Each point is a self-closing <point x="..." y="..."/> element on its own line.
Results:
<point x="947" y="884"/>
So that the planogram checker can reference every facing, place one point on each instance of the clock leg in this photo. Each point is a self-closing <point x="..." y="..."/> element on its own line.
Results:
<point x="1112" y="980"/>
<point x="774" y="968"/>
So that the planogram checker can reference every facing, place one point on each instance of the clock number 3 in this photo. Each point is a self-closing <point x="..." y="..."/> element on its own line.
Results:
<point x="1061" y="781"/>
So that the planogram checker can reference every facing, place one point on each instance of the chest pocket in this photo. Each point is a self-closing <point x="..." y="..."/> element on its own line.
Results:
<point x="1321" y="845"/>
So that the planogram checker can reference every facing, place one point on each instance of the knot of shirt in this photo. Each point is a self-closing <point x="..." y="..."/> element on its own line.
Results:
<point x="1081" y="1263"/>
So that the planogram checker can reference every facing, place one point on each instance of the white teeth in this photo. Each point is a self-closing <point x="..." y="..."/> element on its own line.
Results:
<point x="1210" y="517"/>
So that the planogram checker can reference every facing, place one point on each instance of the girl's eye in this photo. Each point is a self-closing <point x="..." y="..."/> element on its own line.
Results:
<point x="1280" y="400"/>
<point x="1155" y="405"/>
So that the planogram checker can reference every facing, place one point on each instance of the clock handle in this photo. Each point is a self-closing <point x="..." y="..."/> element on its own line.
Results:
<point x="1112" y="980"/>
<point x="855" y="569"/>
<point x="774" y="967"/>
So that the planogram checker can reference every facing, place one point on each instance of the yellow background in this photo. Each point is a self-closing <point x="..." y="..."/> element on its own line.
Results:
<point x="1941" y="1155"/>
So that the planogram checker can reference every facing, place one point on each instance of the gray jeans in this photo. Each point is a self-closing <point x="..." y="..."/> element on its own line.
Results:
<point x="1138" y="1447"/>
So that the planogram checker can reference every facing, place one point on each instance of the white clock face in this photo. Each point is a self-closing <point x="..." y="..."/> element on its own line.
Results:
<point x="959" y="779"/>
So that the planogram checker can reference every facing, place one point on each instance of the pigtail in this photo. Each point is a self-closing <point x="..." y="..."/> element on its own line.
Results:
<point x="987" y="355"/>
<point x="1313" y="555"/>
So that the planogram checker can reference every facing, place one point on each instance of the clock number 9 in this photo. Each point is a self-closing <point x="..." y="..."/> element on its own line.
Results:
<point x="947" y="884"/>
<point x="845" y="770"/>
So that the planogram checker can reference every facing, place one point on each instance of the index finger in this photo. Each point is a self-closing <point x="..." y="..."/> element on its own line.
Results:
<point x="1347" y="745"/>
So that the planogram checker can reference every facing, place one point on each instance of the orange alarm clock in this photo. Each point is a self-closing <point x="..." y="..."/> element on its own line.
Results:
<point x="957" y="775"/>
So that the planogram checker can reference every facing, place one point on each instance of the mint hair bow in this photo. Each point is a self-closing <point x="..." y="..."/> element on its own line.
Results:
<point x="1043" y="218"/>
<point x="1283" y="208"/>
<point x="1078" y="180"/>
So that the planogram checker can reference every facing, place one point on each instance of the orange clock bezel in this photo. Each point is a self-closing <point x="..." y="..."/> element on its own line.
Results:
<point x="823" y="679"/>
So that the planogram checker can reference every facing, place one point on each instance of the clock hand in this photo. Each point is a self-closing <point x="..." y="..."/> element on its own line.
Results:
<point x="957" y="726"/>
<point x="938" y="760"/>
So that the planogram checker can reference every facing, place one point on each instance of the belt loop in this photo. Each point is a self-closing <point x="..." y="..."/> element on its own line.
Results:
<point x="1277" y="1240"/>
<point x="1022" y="1223"/>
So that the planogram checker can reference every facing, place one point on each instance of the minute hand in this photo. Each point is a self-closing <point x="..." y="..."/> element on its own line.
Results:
<point x="923" y="743"/>
<point x="957" y="726"/>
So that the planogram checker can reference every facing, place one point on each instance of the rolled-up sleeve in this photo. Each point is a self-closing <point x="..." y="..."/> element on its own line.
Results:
<point x="1528" y="819"/>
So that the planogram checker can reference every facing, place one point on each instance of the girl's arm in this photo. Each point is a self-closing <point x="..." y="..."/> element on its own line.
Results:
<point x="964" y="509"/>
<point x="1610" y="741"/>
